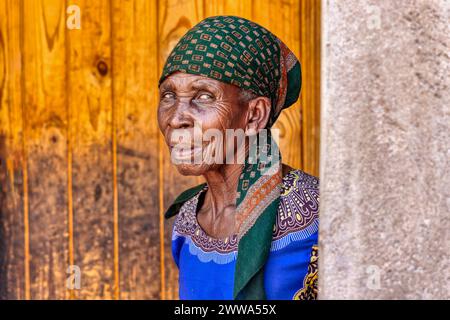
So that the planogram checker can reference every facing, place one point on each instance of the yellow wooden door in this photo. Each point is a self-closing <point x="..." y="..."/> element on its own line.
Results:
<point x="84" y="172"/>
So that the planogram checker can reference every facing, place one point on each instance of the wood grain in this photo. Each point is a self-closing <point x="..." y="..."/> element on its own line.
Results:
<point x="135" y="74"/>
<point x="43" y="84"/>
<point x="241" y="8"/>
<point x="14" y="263"/>
<point x="310" y="97"/>
<point x="91" y="132"/>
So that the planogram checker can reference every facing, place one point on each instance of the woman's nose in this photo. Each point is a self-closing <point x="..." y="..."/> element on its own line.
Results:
<point x="181" y="118"/>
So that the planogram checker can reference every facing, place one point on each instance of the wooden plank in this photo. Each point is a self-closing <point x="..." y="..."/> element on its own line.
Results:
<point x="175" y="18"/>
<point x="89" y="92"/>
<point x="14" y="270"/>
<point x="241" y="8"/>
<point x="43" y="83"/>
<point x="285" y="26"/>
<point x="310" y="98"/>
<point x="135" y="74"/>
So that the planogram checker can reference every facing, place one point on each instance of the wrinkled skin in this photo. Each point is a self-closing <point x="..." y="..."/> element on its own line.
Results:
<point x="187" y="99"/>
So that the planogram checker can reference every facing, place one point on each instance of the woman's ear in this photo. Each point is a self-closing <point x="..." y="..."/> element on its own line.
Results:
<point x="258" y="115"/>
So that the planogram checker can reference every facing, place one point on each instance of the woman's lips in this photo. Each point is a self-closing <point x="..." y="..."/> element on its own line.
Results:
<point x="185" y="153"/>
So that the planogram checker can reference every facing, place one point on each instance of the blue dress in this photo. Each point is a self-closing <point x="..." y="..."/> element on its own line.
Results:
<point x="206" y="265"/>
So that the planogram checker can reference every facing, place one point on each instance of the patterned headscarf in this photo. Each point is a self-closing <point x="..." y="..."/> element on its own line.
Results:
<point x="242" y="53"/>
<point x="239" y="52"/>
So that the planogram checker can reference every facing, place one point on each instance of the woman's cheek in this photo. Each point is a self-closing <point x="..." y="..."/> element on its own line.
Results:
<point x="162" y="119"/>
<point x="222" y="114"/>
<point x="165" y="111"/>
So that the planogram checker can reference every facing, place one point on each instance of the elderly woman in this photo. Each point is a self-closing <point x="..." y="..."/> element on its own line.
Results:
<point x="250" y="231"/>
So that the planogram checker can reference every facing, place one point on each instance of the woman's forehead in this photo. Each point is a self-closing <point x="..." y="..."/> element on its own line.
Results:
<point x="186" y="80"/>
<point x="182" y="78"/>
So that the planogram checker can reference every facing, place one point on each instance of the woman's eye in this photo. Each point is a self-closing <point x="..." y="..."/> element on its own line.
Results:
<point x="168" y="95"/>
<point x="204" y="96"/>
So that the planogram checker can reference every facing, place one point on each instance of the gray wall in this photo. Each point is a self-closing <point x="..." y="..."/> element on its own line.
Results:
<point x="384" y="168"/>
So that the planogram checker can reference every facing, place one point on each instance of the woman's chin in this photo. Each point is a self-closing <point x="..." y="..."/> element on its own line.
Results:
<point x="189" y="169"/>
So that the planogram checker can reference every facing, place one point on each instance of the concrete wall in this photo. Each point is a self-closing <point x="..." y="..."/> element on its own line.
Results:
<point x="385" y="201"/>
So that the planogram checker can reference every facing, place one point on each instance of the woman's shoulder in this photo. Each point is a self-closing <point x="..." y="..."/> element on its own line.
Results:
<point x="301" y="177"/>
<point x="298" y="210"/>
<point x="301" y="187"/>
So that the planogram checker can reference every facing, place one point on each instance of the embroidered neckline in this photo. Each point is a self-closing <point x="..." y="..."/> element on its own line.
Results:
<point x="188" y="225"/>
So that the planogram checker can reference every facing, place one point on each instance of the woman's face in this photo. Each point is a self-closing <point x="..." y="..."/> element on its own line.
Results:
<point x="193" y="112"/>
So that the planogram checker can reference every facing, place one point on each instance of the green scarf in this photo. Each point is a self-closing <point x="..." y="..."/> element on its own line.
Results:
<point x="240" y="52"/>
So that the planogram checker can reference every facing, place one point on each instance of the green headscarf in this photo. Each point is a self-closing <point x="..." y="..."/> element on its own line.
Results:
<point x="242" y="53"/>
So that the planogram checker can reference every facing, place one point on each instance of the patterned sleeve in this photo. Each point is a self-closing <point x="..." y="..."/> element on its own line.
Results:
<point x="292" y="265"/>
<point x="309" y="289"/>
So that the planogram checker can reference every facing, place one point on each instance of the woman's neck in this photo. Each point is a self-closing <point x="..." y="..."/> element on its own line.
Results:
<point x="222" y="186"/>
